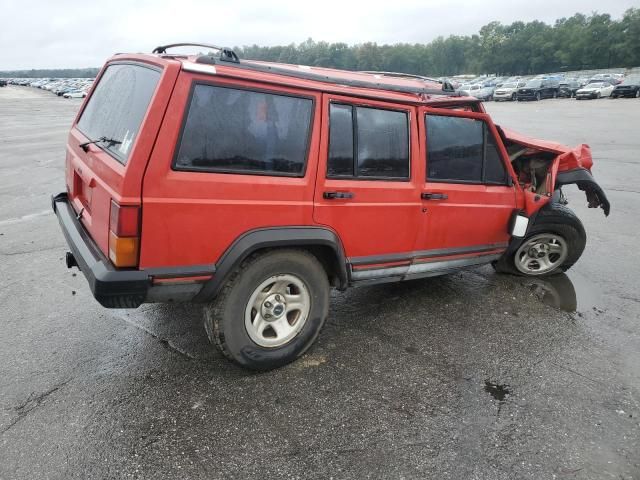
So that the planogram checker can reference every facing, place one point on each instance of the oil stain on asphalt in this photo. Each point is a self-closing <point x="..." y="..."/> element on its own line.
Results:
<point x="497" y="391"/>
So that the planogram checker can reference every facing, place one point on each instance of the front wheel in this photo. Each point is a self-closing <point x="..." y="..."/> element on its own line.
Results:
<point x="553" y="244"/>
<point x="537" y="95"/>
<point x="271" y="309"/>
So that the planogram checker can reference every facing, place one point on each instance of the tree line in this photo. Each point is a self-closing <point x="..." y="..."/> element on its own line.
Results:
<point x="51" y="73"/>
<point x="575" y="43"/>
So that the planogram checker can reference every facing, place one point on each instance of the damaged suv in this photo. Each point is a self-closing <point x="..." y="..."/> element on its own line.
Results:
<point x="254" y="188"/>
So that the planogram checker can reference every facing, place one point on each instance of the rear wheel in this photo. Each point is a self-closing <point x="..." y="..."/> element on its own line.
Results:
<point x="554" y="243"/>
<point x="271" y="309"/>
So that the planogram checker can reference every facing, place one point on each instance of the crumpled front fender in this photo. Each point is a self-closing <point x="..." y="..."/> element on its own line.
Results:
<point x="571" y="165"/>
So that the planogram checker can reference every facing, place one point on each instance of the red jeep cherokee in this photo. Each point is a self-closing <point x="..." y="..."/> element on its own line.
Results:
<point x="255" y="187"/>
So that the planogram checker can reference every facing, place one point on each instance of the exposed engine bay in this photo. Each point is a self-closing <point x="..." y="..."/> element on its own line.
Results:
<point x="532" y="166"/>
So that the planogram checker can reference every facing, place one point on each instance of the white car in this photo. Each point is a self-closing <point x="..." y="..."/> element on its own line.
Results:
<point x="507" y="91"/>
<point x="595" y="90"/>
<point x="75" y="94"/>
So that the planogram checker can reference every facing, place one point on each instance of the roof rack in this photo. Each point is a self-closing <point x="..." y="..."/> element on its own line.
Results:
<point x="226" y="54"/>
<point x="446" y="85"/>
<point x="307" y="74"/>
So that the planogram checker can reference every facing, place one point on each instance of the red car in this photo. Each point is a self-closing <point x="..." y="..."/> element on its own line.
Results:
<point x="255" y="187"/>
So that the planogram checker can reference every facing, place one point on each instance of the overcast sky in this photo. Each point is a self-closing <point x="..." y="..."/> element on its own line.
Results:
<point x="71" y="33"/>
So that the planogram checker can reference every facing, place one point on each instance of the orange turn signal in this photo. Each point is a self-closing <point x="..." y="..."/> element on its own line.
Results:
<point x="123" y="251"/>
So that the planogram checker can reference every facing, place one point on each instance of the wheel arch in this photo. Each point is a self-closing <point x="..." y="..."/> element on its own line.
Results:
<point x="323" y="243"/>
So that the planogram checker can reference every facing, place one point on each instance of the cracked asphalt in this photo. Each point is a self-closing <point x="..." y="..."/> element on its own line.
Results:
<point x="473" y="375"/>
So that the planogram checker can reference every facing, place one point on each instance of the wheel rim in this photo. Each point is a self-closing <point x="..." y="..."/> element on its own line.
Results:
<point x="541" y="254"/>
<point x="277" y="310"/>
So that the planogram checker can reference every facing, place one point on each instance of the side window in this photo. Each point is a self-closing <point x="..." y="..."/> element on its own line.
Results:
<point x="340" y="162"/>
<point x="462" y="150"/>
<point x="368" y="142"/>
<point x="241" y="131"/>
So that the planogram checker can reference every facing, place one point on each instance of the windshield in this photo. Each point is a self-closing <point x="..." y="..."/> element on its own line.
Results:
<point x="509" y="85"/>
<point x="533" y="83"/>
<point x="596" y="85"/>
<point x="117" y="106"/>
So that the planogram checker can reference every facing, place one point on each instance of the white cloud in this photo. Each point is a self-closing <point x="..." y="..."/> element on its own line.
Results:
<point x="71" y="33"/>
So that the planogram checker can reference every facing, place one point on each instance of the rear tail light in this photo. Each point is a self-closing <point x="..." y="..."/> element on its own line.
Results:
<point x="124" y="235"/>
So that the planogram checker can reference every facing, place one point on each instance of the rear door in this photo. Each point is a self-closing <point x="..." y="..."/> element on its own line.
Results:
<point x="125" y="109"/>
<point x="467" y="195"/>
<point x="366" y="188"/>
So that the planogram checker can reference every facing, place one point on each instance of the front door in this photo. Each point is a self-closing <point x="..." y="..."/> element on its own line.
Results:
<point x="366" y="187"/>
<point x="467" y="192"/>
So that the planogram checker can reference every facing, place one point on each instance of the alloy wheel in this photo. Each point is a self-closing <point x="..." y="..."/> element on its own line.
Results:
<point x="541" y="254"/>
<point x="277" y="310"/>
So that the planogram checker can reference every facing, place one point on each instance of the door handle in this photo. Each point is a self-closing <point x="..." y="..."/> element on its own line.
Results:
<point x="433" y="196"/>
<point x="335" y="195"/>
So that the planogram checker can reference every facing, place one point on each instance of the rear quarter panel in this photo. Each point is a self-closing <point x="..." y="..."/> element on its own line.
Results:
<point x="191" y="218"/>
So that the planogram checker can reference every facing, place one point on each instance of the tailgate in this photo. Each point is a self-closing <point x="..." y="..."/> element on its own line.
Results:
<point x="112" y="138"/>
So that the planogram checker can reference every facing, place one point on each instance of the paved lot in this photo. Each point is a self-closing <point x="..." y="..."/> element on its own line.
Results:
<point x="470" y="376"/>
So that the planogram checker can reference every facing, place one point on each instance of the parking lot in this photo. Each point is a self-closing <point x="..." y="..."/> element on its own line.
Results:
<point x="469" y="376"/>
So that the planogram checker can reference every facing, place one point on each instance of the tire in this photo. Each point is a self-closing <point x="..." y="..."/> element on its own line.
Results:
<point x="513" y="97"/>
<point x="553" y="221"/>
<point x="598" y="96"/>
<point x="230" y="319"/>
<point x="538" y="96"/>
<point x="555" y="94"/>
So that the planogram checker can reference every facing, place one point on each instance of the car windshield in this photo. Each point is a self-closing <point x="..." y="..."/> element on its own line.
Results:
<point x="533" y="83"/>
<point x="596" y="85"/>
<point x="509" y="85"/>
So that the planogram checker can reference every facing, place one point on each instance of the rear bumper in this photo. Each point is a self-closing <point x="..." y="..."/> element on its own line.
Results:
<point x="112" y="288"/>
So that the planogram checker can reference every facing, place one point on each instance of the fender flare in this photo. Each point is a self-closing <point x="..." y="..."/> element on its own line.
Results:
<point x="273" y="237"/>
<point x="585" y="182"/>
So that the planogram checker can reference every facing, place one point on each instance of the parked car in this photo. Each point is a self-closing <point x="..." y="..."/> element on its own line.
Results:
<point x="3" y="83"/>
<point x="478" y="91"/>
<point x="75" y="94"/>
<point x="630" y="87"/>
<point x="537" y="89"/>
<point x="508" y="91"/>
<point x="253" y="198"/>
<point x="594" y="90"/>
<point x="568" y="89"/>
<point x="612" y="78"/>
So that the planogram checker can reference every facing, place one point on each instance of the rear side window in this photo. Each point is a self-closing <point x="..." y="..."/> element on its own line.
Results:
<point x="368" y="142"/>
<point x="241" y="131"/>
<point x="117" y="106"/>
<point x="462" y="150"/>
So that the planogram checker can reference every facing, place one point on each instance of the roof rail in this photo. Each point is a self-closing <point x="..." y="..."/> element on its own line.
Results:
<point x="446" y="85"/>
<point x="226" y="54"/>
<point x="308" y="74"/>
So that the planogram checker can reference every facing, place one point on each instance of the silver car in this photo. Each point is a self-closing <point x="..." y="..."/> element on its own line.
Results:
<point x="507" y="91"/>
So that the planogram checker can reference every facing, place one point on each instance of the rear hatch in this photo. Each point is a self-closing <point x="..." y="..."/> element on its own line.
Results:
<point x="111" y="141"/>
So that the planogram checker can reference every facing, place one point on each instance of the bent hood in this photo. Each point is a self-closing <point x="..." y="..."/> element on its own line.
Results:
<point x="568" y="158"/>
